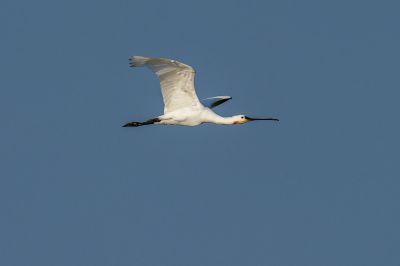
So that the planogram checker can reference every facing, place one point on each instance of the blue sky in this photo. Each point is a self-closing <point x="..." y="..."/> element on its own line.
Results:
<point x="318" y="188"/>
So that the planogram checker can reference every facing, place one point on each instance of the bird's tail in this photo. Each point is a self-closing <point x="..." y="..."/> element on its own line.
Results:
<point x="138" y="124"/>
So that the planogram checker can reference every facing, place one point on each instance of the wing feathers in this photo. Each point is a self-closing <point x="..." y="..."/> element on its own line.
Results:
<point x="215" y="101"/>
<point x="137" y="61"/>
<point x="176" y="80"/>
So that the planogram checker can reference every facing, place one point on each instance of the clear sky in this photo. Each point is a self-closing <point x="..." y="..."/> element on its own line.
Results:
<point x="319" y="188"/>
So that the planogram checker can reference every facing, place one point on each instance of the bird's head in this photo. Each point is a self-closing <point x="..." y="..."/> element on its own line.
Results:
<point x="241" y="119"/>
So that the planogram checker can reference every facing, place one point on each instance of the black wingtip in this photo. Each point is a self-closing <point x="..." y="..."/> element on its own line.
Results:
<point x="219" y="102"/>
<point x="131" y="63"/>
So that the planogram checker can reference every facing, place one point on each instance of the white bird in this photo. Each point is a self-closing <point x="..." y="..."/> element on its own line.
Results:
<point x="181" y="105"/>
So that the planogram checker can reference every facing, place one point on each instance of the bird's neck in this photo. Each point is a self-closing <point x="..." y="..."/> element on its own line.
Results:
<point x="211" y="117"/>
<point x="224" y="120"/>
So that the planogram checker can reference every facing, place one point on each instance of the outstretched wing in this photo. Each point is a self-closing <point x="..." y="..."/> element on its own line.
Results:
<point x="176" y="79"/>
<point x="215" y="101"/>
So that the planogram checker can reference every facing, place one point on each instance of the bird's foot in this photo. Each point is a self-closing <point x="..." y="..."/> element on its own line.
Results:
<point x="133" y="124"/>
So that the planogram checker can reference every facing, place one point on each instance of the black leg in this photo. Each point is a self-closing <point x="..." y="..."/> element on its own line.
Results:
<point x="133" y="124"/>
<point x="138" y="124"/>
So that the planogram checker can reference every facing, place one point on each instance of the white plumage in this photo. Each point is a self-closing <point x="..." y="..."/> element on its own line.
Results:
<point x="176" y="79"/>
<point x="181" y="104"/>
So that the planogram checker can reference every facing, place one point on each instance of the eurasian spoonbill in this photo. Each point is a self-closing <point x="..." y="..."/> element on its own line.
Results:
<point x="181" y="105"/>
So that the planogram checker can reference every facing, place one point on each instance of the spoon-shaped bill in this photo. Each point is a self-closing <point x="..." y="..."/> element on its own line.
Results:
<point x="263" y="118"/>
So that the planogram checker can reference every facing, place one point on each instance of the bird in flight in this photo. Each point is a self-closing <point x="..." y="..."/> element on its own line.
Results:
<point x="181" y="104"/>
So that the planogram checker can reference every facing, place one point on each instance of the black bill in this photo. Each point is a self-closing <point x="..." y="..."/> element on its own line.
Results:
<point x="264" y="118"/>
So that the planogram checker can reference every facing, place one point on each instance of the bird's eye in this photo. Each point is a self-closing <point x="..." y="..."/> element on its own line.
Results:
<point x="242" y="117"/>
